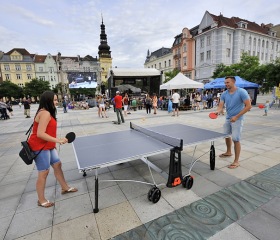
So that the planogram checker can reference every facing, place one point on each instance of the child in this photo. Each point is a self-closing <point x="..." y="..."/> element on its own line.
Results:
<point x="266" y="106"/>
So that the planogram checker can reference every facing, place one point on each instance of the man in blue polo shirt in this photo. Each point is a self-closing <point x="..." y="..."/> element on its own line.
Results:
<point x="237" y="102"/>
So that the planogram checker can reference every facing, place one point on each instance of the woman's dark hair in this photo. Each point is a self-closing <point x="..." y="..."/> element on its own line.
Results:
<point x="46" y="102"/>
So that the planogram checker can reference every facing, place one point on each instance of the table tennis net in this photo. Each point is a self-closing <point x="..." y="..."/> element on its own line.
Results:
<point x="174" y="142"/>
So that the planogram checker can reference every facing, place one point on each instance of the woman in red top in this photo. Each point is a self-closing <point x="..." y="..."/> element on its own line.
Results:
<point x="44" y="137"/>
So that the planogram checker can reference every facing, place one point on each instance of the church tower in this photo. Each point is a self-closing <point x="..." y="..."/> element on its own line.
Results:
<point x="104" y="53"/>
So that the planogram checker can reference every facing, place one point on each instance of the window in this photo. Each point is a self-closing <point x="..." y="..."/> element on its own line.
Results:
<point x="29" y="76"/>
<point x="259" y="43"/>
<point x="179" y="50"/>
<point x="202" y="42"/>
<point x="42" y="78"/>
<point x="18" y="76"/>
<point x="41" y="69"/>
<point x="228" y="37"/>
<point x="164" y="63"/>
<point x="208" y="40"/>
<point x="255" y="41"/>
<point x="272" y="45"/>
<point x="262" y="56"/>
<point x="228" y="52"/>
<point x="54" y="78"/>
<point x="155" y="65"/>
<point x="159" y="65"/>
<point x="266" y="57"/>
<point x="266" y="44"/>
<point x="51" y="70"/>
<point x="169" y="63"/>
<point x="7" y="76"/>
<point x="202" y="57"/>
<point x="258" y="54"/>
<point x="185" y="47"/>
<point x="250" y="40"/>
<point x="243" y="39"/>
<point x="18" y="68"/>
<point x="262" y="43"/>
<point x="28" y="67"/>
<point x="7" y="67"/>
<point x="185" y="61"/>
<point x="208" y="55"/>
<point x="271" y="57"/>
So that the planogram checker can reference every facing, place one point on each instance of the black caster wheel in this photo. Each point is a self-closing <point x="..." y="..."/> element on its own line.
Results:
<point x="84" y="174"/>
<point x="212" y="157"/>
<point x="150" y="193"/>
<point x="187" y="182"/>
<point x="156" y="195"/>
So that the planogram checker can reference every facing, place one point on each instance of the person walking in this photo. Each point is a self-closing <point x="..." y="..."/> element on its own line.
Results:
<point x="148" y="104"/>
<point x="44" y="138"/>
<point x="155" y="103"/>
<point x="102" y="107"/>
<point x="64" y="105"/>
<point x="125" y="104"/>
<point x="26" y="105"/>
<point x="3" y="109"/>
<point x="118" y="105"/>
<point x="175" y="103"/>
<point x="266" y="107"/>
<point x="237" y="102"/>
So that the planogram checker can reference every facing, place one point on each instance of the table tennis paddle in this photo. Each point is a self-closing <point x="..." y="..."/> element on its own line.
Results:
<point x="213" y="115"/>
<point x="70" y="136"/>
<point x="261" y="106"/>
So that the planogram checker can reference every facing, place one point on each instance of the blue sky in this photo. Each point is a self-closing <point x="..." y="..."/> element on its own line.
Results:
<point x="132" y="26"/>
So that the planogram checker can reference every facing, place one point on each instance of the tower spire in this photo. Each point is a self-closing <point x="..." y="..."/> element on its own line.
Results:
<point x="104" y="48"/>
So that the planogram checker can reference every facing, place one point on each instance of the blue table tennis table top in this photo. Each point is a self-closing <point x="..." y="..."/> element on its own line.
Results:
<point x="102" y="150"/>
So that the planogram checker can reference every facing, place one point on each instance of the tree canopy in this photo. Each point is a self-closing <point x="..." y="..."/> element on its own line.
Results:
<point x="9" y="89"/>
<point x="249" y="68"/>
<point x="171" y="74"/>
<point x="36" y="87"/>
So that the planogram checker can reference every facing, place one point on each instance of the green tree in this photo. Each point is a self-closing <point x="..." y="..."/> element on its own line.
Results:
<point x="9" y="89"/>
<point x="36" y="87"/>
<point x="171" y="74"/>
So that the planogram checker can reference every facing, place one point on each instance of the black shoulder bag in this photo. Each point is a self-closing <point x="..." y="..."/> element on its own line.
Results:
<point x="26" y="154"/>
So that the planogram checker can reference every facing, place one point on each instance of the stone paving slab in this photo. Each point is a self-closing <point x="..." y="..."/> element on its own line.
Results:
<point x="261" y="224"/>
<point x="232" y="195"/>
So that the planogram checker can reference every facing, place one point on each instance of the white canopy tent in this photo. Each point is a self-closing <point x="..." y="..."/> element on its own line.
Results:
<point x="180" y="81"/>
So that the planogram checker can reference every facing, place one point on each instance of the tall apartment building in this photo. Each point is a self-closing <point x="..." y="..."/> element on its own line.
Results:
<point x="17" y="66"/>
<point x="46" y="69"/>
<point x="161" y="59"/>
<point x="183" y="49"/>
<point x="223" y="40"/>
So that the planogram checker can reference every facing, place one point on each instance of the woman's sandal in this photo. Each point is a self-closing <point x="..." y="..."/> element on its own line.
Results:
<point x="233" y="165"/>
<point x="70" y="190"/>
<point x="46" y="204"/>
<point x="224" y="155"/>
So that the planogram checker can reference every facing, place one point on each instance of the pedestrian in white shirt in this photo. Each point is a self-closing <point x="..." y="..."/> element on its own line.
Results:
<point x="175" y="103"/>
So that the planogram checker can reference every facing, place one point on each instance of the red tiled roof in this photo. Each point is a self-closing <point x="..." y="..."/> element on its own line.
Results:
<point x="22" y="51"/>
<point x="40" y="58"/>
<point x="232" y="22"/>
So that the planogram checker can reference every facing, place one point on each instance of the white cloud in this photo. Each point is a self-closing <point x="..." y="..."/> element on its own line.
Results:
<point x="132" y="26"/>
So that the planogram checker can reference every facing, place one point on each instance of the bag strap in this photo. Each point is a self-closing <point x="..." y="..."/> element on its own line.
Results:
<point x="29" y="131"/>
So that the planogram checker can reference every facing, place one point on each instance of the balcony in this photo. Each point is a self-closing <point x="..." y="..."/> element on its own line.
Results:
<point x="176" y="56"/>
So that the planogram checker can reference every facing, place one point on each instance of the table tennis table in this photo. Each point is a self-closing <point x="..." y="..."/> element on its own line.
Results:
<point x="103" y="150"/>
